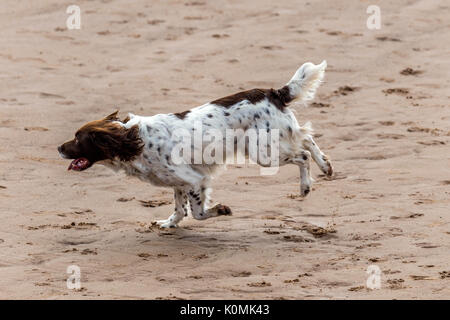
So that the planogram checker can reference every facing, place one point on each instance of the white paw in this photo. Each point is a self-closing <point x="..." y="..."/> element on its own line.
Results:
<point x="305" y="186"/>
<point x="165" y="224"/>
<point x="326" y="166"/>
<point x="305" y="190"/>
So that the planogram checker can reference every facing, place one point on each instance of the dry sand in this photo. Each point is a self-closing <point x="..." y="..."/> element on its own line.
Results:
<point x="387" y="132"/>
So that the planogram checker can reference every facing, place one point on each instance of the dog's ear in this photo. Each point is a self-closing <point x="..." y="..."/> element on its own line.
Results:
<point x="126" y="119"/>
<point x="117" y="141"/>
<point x="113" y="116"/>
<point x="106" y="142"/>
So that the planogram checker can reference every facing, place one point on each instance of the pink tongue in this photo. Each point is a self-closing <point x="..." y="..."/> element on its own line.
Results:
<point x="79" y="164"/>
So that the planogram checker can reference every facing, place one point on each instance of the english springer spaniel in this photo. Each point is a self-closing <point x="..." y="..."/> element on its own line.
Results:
<point x="148" y="148"/>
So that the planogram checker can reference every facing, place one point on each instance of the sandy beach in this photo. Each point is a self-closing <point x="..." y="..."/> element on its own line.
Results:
<point x="382" y="115"/>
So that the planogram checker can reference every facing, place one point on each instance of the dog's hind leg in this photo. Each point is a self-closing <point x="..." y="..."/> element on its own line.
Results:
<point x="198" y="199"/>
<point x="302" y="159"/>
<point x="318" y="156"/>
<point x="181" y="207"/>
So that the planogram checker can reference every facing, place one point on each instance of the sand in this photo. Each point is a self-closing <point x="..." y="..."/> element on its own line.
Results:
<point x="385" y="127"/>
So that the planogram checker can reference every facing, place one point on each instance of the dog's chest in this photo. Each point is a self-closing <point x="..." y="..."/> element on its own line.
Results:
<point x="139" y="169"/>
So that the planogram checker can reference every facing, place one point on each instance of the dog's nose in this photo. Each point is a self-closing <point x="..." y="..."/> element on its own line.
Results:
<point x="59" y="149"/>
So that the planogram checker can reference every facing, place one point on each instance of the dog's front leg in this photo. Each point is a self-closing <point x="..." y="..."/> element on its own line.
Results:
<point x="179" y="213"/>
<point x="198" y="199"/>
<point x="318" y="156"/>
<point x="302" y="159"/>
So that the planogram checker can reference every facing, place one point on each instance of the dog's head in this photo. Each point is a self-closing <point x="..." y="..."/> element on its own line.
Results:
<point x="104" y="139"/>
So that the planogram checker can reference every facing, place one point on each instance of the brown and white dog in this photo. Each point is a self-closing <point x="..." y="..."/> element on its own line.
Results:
<point x="147" y="147"/>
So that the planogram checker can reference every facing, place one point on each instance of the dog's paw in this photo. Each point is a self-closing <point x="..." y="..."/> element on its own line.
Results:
<point x="326" y="166"/>
<point x="220" y="210"/>
<point x="164" y="224"/>
<point x="305" y="190"/>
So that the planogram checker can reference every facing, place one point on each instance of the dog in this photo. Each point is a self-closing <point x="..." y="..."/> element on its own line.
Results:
<point x="144" y="146"/>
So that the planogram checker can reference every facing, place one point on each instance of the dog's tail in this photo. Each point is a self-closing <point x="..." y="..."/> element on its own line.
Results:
<point x="304" y="83"/>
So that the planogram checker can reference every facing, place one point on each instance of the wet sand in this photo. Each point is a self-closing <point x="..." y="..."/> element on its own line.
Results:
<point x="385" y="127"/>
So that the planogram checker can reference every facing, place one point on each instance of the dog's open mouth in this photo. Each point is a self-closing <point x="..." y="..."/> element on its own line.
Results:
<point x="79" y="164"/>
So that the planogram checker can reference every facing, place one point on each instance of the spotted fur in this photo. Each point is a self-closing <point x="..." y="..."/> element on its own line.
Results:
<point x="265" y="109"/>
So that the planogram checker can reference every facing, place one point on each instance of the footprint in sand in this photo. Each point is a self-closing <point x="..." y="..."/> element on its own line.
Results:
<point x="76" y="242"/>
<point x="119" y="22"/>
<point x="423" y="201"/>
<point x="155" y="21"/>
<point x="334" y="33"/>
<point x="35" y="129"/>
<point x="386" y="123"/>
<point x="273" y="232"/>
<point x="296" y="238"/>
<point x="195" y="3"/>
<point x="345" y="90"/>
<point x="89" y="251"/>
<point x="396" y="284"/>
<point x="409" y="216"/>
<point x="154" y="203"/>
<point x="410" y="72"/>
<point x="195" y="18"/>
<point x="271" y="47"/>
<point x="315" y="230"/>
<point x="426" y="245"/>
<point x="398" y="91"/>
<point x="259" y="284"/>
<point x="388" y="80"/>
<point x="434" y="132"/>
<point x="123" y="199"/>
<point x="393" y="136"/>
<point x="147" y="229"/>
<point x="144" y="255"/>
<point x="431" y="143"/>
<point x="220" y="36"/>
<point x="385" y="38"/>
<point x="319" y="105"/>
<point x="292" y="281"/>
<point x="444" y="274"/>
<point x="46" y="95"/>
<point x="42" y="284"/>
<point x="238" y="274"/>
<point x="420" y="277"/>
<point x="76" y="213"/>
<point x="65" y="103"/>
<point x="355" y="289"/>
<point x="83" y="252"/>
<point x="73" y="225"/>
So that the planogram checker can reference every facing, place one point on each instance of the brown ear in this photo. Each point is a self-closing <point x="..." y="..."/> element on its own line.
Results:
<point x="115" y="140"/>
<point x="113" y="116"/>
<point x="126" y="119"/>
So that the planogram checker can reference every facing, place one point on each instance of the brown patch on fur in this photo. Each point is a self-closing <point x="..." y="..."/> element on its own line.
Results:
<point x="280" y="98"/>
<point x="182" y="115"/>
<point x="114" y="140"/>
<point x="103" y="139"/>
<point x="113" y="116"/>
<point x="284" y="95"/>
